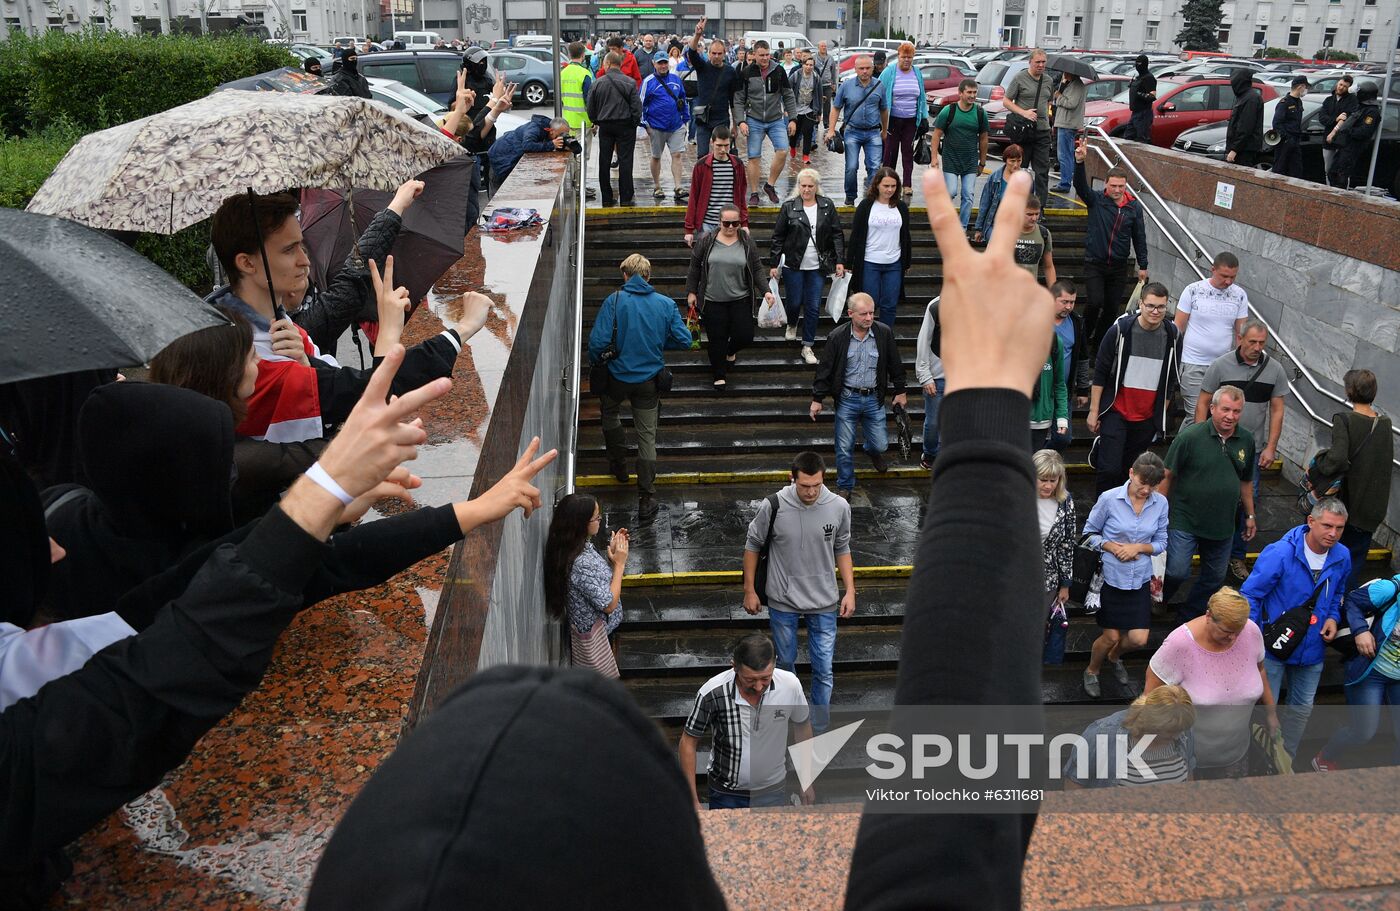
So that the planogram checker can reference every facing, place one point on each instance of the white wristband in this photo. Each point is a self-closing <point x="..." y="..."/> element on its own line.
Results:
<point x="323" y="480"/>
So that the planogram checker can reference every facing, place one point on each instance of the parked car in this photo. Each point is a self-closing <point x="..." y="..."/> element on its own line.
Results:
<point x="305" y="52"/>
<point x="1105" y="88"/>
<point x="409" y="100"/>
<point x="847" y="61"/>
<point x="533" y="78"/>
<point x="434" y="73"/>
<point x="1180" y="105"/>
<point x="992" y="81"/>
<point x="937" y="75"/>
<point x="1209" y="141"/>
<point x="543" y="54"/>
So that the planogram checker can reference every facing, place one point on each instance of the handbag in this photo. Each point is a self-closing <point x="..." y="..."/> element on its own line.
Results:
<point x="1316" y="485"/>
<point x="592" y="649"/>
<point x="760" y="573"/>
<point x="1087" y="565"/>
<point x="598" y="373"/>
<point x="1056" y="631"/>
<point x="923" y="149"/>
<point x="1021" y="130"/>
<point x="1285" y="633"/>
<point x="1266" y="755"/>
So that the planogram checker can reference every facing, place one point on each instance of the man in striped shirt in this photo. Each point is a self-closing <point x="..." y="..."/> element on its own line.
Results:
<point x="1135" y="377"/>
<point x="750" y="708"/>
<point x="717" y="181"/>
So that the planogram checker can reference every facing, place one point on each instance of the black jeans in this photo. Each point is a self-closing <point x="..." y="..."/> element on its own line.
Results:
<point x="1344" y="171"/>
<point x="728" y="330"/>
<point x="1103" y="284"/>
<point x="1120" y="443"/>
<point x="622" y="139"/>
<point x="1039" y="162"/>
<point x="1288" y="158"/>
<point x="1246" y="159"/>
<point x="1140" y="126"/>
<point x="900" y="141"/>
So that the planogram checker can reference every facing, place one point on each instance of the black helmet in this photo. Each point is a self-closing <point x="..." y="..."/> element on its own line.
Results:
<point x="1367" y="91"/>
<point x="476" y="58"/>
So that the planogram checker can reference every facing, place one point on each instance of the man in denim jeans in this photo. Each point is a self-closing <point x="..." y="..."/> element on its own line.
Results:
<point x="867" y="120"/>
<point x="811" y="532"/>
<point x="859" y="363"/>
<point x="764" y="105"/>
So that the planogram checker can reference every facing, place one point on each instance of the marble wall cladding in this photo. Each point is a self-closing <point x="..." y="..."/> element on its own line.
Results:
<point x="1321" y="267"/>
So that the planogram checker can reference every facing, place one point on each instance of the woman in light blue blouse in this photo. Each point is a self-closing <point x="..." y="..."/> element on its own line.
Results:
<point x="1128" y="525"/>
<point x="581" y="585"/>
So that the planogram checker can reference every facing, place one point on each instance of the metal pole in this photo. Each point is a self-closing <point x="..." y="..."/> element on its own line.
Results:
<point x="1385" y="100"/>
<point x="558" y="70"/>
<point x="889" y="18"/>
<point x="860" y="23"/>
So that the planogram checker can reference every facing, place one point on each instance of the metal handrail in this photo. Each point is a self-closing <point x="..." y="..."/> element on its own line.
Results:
<point x="1201" y="252"/>
<point x="575" y="368"/>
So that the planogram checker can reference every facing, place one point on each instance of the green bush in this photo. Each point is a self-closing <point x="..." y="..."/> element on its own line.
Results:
<point x="182" y="255"/>
<point x="101" y="79"/>
<point x="1329" y="53"/>
<point x="26" y="162"/>
<point x="16" y="58"/>
<point x="1278" y="53"/>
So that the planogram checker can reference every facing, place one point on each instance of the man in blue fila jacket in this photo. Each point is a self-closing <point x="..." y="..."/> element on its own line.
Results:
<point x="1283" y="578"/>
<point x="1373" y="676"/>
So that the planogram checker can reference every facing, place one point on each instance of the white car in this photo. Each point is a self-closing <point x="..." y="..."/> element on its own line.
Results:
<point x="405" y="98"/>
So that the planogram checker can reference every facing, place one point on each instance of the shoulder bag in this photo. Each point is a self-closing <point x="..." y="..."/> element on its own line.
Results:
<point x="1316" y="485"/>
<point x="1021" y="130"/>
<point x="760" y="573"/>
<point x="838" y="141"/>
<point x="1285" y="633"/>
<point x="666" y="84"/>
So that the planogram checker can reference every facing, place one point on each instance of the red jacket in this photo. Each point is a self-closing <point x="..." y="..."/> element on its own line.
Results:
<point x="629" y="68"/>
<point x="700" y="180"/>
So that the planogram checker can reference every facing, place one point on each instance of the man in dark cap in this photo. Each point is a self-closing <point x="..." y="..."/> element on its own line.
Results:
<point x="1288" y="124"/>
<point x="1142" y="92"/>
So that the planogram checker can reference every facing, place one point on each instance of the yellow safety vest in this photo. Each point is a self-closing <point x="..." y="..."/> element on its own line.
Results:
<point x="571" y="95"/>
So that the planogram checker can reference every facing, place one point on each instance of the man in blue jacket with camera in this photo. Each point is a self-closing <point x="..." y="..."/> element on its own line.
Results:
<point x="1285" y="576"/>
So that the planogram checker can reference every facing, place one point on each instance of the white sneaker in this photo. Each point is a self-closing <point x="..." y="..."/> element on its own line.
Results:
<point x="807" y="354"/>
<point x="791" y="334"/>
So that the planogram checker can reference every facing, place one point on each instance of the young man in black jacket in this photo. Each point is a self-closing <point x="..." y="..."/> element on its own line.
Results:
<point x="1074" y="342"/>
<point x="859" y="363"/>
<point x="717" y="81"/>
<point x="1142" y="94"/>
<point x="614" y="105"/>
<point x="1339" y="106"/>
<point x="1244" y="135"/>
<point x="1354" y="136"/>
<point x="1116" y="221"/>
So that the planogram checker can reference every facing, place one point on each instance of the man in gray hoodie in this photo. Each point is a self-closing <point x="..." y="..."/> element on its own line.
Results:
<point x="810" y="534"/>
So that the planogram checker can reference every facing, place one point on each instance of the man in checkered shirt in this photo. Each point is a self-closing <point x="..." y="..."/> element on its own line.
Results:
<point x="750" y="708"/>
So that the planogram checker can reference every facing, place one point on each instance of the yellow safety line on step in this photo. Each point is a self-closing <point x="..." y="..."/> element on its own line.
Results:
<point x="755" y="477"/>
<point x="712" y="577"/>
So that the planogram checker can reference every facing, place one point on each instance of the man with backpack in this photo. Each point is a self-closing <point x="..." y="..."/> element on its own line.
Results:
<point x="795" y="539"/>
<point x="960" y="146"/>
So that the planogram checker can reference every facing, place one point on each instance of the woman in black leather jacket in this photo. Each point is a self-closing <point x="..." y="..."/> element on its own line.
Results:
<point x="808" y="242"/>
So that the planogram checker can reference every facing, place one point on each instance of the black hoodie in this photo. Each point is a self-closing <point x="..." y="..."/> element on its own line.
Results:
<point x="1245" y="132"/>
<point x="529" y="787"/>
<point x="159" y="461"/>
<point x="1142" y="87"/>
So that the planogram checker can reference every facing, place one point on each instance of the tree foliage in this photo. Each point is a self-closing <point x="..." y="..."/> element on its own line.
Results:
<point x="1200" y="26"/>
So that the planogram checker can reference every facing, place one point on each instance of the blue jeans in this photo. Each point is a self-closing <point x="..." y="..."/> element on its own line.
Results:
<point x="1297" y="708"/>
<point x="962" y="184"/>
<point x="873" y="143"/>
<point x="868" y="410"/>
<point x="931" y="405"/>
<point x="883" y="281"/>
<point x="802" y="293"/>
<point x="1358" y="544"/>
<point x="743" y="800"/>
<point x="1064" y="150"/>
<point x="775" y="130"/>
<point x="1365" y="697"/>
<point x="1215" y="559"/>
<point x="821" y="645"/>
<point x="1237" y="546"/>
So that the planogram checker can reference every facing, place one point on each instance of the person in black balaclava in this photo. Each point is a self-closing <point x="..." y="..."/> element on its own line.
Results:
<point x="349" y="81"/>
<point x="478" y="140"/>
<point x="1142" y="94"/>
<point x="312" y="65"/>
<point x="1244" y="135"/>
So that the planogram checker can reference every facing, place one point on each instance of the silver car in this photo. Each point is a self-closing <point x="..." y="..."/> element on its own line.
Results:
<point x="533" y="78"/>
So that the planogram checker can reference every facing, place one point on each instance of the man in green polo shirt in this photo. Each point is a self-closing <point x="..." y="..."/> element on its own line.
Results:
<point x="1210" y="471"/>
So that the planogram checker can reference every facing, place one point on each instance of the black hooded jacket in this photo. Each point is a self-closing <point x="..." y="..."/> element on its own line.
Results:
<point x="349" y="81"/>
<point x="1245" y="132"/>
<point x="1142" y="87"/>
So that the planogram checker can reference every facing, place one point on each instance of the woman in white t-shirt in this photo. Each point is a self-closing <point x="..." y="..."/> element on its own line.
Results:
<point x="880" y="249"/>
<point x="1219" y="659"/>
<point x="808" y="244"/>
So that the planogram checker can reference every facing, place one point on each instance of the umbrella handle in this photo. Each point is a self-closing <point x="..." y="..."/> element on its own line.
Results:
<point x="277" y="309"/>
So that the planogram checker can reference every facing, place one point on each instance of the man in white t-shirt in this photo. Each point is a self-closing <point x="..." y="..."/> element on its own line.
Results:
<point x="1209" y="316"/>
<point x="749" y="708"/>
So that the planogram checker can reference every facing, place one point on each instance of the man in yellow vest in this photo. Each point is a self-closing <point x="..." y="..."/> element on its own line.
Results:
<point x="575" y="80"/>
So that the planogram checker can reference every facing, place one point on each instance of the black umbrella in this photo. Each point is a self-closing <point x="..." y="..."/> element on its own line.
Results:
<point x="906" y="438"/>
<point x="75" y="299"/>
<point x="428" y="244"/>
<point x="1075" y="66"/>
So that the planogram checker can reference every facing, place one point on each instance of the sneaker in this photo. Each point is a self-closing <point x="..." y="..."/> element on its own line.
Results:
<point x="806" y="159"/>
<point x="850" y="202"/>
<point x="647" y="508"/>
<point x="881" y="464"/>
<point x="791" y="333"/>
<point x="1120" y="673"/>
<point x="1324" y="765"/>
<point x="618" y="467"/>
<point x="590" y="193"/>
<point x="1239" y="568"/>
<point x="771" y="192"/>
<point x="753" y="200"/>
<point x="807" y="354"/>
<point x="1091" y="684"/>
<point x="926" y="463"/>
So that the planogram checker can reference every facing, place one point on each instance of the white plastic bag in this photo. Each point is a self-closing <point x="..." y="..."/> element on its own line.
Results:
<point x="836" y="297"/>
<point x="1159" y="574"/>
<point x="772" y="315"/>
<point x="777" y="298"/>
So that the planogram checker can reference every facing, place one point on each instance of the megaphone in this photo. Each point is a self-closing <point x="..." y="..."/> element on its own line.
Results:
<point x="1272" y="138"/>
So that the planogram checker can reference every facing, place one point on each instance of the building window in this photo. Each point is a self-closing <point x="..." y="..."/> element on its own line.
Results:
<point x="299" y="21"/>
<point x="1115" y="30"/>
<point x="969" y="23"/>
<point x="1078" y="27"/>
<point x="526" y="27"/>
<point x="435" y="24"/>
<point x="1363" y="39"/>
<point x="1329" y="36"/>
<point x="1151" y="34"/>
<point x="1295" y="36"/>
<point x="734" y="28"/>
<point x="811" y="24"/>
<point x="12" y="25"/>
<point x="1223" y="36"/>
<point x="1052" y="26"/>
<point x="256" y="16"/>
<point x="1261" y="38"/>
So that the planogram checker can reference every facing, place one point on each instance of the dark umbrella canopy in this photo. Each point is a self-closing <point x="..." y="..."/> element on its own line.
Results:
<point x="427" y="246"/>
<point x="1072" y="65"/>
<point x="74" y="299"/>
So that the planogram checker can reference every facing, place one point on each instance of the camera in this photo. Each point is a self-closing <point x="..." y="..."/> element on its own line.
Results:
<point x="573" y="145"/>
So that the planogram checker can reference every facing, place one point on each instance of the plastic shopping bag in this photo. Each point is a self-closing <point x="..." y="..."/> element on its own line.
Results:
<point x="1159" y="572"/>
<point x="771" y="315"/>
<point x="692" y="322"/>
<point x="836" y="297"/>
<point x="777" y="298"/>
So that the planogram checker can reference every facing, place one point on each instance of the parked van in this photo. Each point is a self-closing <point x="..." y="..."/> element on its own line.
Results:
<point x="418" y="41"/>
<point x="888" y="45"/>
<point x="794" y="40"/>
<point x="535" y="41"/>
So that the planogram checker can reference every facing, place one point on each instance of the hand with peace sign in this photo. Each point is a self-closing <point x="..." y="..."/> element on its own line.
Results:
<point x="513" y="491"/>
<point x="393" y="306"/>
<point x="996" y="318"/>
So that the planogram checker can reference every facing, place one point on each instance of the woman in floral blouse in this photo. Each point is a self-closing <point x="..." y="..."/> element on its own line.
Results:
<point x="581" y="585"/>
<point x="1055" y="508"/>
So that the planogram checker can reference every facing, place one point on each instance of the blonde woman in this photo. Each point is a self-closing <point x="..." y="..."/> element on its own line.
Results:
<point x="809" y="244"/>
<point x="1219" y="658"/>
<point x="1168" y="714"/>
<point x="1055" y="510"/>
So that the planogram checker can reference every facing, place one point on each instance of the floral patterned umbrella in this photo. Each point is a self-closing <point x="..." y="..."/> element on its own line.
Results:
<point x="171" y="170"/>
